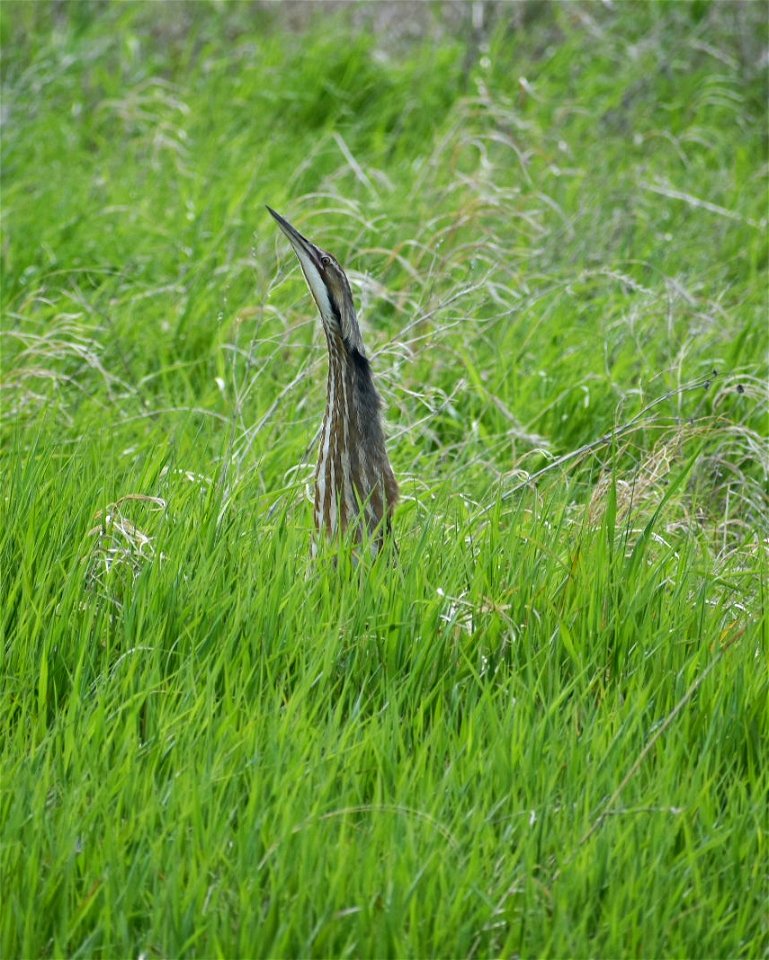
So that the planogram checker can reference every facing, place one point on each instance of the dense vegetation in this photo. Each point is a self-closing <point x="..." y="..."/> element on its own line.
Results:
<point x="543" y="731"/>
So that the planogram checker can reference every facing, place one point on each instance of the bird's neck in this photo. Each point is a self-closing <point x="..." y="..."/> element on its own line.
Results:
<point x="352" y="462"/>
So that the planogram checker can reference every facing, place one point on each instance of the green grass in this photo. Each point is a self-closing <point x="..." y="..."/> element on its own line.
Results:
<point x="543" y="732"/>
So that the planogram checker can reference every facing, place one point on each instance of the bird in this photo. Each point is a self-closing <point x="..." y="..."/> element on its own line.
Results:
<point x="355" y="487"/>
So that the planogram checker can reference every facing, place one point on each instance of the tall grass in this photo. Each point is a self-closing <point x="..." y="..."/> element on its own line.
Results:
<point x="543" y="730"/>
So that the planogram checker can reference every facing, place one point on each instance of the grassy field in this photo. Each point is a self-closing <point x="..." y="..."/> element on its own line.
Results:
<point x="543" y="732"/>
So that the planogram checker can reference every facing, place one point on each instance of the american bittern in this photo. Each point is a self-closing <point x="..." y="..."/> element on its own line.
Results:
<point x="354" y="482"/>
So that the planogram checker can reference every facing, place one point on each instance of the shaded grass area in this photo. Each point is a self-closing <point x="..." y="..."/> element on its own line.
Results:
<point x="543" y="731"/>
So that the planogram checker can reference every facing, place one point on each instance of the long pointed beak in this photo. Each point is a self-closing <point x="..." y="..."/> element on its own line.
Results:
<point x="301" y="244"/>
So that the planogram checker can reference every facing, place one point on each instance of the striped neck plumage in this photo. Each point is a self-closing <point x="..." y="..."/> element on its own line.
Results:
<point x="354" y="481"/>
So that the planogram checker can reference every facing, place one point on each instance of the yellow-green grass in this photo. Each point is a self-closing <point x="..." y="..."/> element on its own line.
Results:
<point x="543" y="731"/>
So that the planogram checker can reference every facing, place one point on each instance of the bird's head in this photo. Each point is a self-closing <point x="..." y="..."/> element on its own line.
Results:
<point x="328" y="285"/>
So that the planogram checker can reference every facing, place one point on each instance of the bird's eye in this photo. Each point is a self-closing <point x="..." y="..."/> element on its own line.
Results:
<point x="325" y="261"/>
